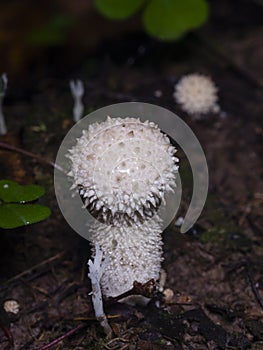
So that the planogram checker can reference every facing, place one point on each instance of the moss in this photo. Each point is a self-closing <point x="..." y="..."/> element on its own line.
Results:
<point x="222" y="230"/>
<point x="212" y="235"/>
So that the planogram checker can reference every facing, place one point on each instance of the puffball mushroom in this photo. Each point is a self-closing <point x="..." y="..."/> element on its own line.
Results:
<point x="197" y="94"/>
<point x="122" y="169"/>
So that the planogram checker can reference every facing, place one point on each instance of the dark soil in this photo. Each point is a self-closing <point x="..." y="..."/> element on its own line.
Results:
<point x="215" y="270"/>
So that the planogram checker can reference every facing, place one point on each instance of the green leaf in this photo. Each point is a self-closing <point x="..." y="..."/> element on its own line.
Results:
<point x="170" y="19"/>
<point x="17" y="215"/>
<point x="118" y="9"/>
<point x="54" y="32"/>
<point x="11" y="191"/>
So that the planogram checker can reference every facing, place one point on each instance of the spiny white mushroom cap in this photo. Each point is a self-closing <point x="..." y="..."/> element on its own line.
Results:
<point x="122" y="168"/>
<point x="197" y="94"/>
<point x="135" y="254"/>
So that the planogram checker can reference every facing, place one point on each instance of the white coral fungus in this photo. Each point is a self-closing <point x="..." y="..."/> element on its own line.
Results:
<point x="96" y="269"/>
<point x="197" y="94"/>
<point x="77" y="91"/>
<point x="122" y="168"/>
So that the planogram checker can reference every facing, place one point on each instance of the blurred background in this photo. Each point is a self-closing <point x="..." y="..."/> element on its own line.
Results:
<point x="61" y="36"/>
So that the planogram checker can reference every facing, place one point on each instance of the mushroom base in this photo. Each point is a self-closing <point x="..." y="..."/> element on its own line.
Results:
<point x="135" y="254"/>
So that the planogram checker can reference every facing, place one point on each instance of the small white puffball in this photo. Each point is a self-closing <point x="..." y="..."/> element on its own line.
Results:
<point x="168" y="295"/>
<point x="11" y="306"/>
<point x="196" y="94"/>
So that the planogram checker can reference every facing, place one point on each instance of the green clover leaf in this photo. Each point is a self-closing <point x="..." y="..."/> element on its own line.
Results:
<point x="13" y="210"/>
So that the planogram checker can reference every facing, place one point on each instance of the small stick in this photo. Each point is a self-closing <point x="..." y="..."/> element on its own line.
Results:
<point x="62" y="337"/>
<point x="9" y="336"/>
<point x="222" y="56"/>
<point x="253" y="226"/>
<point x="145" y="289"/>
<point x="28" y="271"/>
<point x="31" y="155"/>
<point x="254" y="286"/>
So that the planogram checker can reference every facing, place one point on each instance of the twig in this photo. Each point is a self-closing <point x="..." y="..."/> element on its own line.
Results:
<point x="253" y="285"/>
<point x="253" y="226"/>
<point x="147" y="290"/>
<point x="28" y="271"/>
<point x="31" y="155"/>
<point x="62" y="337"/>
<point x="8" y="334"/>
<point x="222" y="56"/>
<point x="70" y="289"/>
